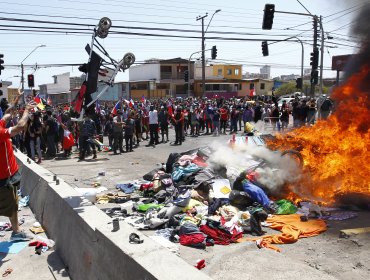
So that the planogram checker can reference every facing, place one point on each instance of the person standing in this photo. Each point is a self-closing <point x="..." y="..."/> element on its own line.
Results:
<point x="275" y="117"/>
<point x="178" y="119"/>
<point x="35" y="130"/>
<point x="163" y="122"/>
<point x="326" y="108"/>
<point x="117" y="133"/>
<point x="9" y="170"/>
<point x="311" y="111"/>
<point x="216" y="122"/>
<point x="129" y="128"/>
<point x="88" y="132"/>
<point x="224" y="115"/>
<point x="51" y="132"/>
<point x="234" y="117"/>
<point x="153" y="126"/>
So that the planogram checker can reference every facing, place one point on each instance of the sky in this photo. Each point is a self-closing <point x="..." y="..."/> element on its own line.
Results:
<point x="20" y="33"/>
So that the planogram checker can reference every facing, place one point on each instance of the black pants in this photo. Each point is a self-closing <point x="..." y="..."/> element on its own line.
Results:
<point x="178" y="131"/>
<point x="117" y="142"/>
<point x="128" y="140"/>
<point x="223" y="126"/>
<point x="52" y="150"/>
<point x="164" y="131"/>
<point x="85" y="145"/>
<point x="208" y="124"/>
<point x="153" y="128"/>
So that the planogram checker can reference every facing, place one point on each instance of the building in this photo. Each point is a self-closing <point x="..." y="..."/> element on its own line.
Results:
<point x="222" y="80"/>
<point x="160" y="78"/>
<point x="58" y="91"/>
<point x="118" y="91"/>
<point x="256" y="87"/>
<point x="265" y="72"/>
<point x="291" y="77"/>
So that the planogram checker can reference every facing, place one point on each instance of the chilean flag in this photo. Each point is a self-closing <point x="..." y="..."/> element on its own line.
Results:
<point x="68" y="140"/>
<point x="116" y="108"/>
<point x="130" y="103"/>
<point x="143" y="99"/>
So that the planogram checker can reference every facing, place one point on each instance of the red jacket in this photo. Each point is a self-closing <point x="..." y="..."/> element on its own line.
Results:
<point x="224" y="114"/>
<point x="8" y="163"/>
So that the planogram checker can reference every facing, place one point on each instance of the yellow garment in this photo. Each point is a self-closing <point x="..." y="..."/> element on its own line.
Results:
<point x="104" y="199"/>
<point x="291" y="228"/>
<point x="192" y="203"/>
<point x="36" y="230"/>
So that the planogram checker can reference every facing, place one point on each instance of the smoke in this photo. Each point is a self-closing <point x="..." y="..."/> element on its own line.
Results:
<point x="360" y="28"/>
<point x="272" y="168"/>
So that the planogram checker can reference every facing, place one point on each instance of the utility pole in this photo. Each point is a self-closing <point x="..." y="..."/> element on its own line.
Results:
<point x="314" y="67"/>
<point x="322" y="55"/>
<point x="203" y="55"/>
<point x="22" y="76"/>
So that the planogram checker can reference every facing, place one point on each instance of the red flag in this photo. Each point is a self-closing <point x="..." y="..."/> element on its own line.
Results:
<point x="79" y="98"/>
<point x="68" y="140"/>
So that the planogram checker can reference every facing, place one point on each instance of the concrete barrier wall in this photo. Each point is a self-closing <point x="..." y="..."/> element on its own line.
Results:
<point x="84" y="239"/>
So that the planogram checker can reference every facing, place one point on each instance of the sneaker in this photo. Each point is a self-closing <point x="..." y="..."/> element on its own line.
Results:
<point x="20" y="236"/>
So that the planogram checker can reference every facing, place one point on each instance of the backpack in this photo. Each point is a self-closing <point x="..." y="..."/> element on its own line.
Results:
<point x="326" y="105"/>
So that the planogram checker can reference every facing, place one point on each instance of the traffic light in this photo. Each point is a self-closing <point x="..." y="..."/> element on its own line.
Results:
<point x="1" y="62"/>
<point x="315" y="59"/>
<point x="268" y="16"/>
<point x="31" y="81"/>
<point x="214" y="52"/>
<point x="186" y="76"/>
<point x="298" y="83"/>
<point x="265" y="48"/>
<point x="315" y="77"/>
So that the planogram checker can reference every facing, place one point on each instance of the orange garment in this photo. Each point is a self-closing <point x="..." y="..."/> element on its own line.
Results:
<point x="291" y="228"/>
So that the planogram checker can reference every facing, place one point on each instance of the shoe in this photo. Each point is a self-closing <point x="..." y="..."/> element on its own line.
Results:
<point x="94" y="157"/>
<point x="39" y="161"/>
<point x="20" y="236"/>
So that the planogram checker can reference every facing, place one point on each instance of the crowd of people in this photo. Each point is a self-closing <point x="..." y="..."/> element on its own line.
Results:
<point x="127" y="125"/>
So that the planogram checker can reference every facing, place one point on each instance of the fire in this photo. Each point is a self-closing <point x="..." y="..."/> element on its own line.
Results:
<point x="336" y="151"/>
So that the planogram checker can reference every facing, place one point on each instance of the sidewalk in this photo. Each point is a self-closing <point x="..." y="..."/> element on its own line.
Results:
<point x="26" y="264"/>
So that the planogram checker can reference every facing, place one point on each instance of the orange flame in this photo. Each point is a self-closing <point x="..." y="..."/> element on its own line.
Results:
<point x="335" y="151"/>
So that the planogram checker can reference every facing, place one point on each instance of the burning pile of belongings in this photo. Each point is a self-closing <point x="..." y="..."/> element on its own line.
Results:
<point x="223" y="195"/>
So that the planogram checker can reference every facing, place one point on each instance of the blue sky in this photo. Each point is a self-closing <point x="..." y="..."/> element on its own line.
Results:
<point x="241" y="17"/>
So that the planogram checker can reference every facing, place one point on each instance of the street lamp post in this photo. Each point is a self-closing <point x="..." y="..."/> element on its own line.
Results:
<point x="203" y="48"/>
<point x="22" y="67"/>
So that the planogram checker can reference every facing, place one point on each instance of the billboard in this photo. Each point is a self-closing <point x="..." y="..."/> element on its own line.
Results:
<point x="339" y="62"/>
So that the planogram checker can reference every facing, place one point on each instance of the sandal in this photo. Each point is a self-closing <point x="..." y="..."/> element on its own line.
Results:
<point x="7" y="272"/>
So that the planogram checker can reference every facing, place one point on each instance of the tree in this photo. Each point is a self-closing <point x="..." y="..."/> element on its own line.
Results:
<point x="287" y="88"/>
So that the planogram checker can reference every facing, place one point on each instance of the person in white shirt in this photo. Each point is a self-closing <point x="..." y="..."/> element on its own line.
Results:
<point x="153" y="126"/>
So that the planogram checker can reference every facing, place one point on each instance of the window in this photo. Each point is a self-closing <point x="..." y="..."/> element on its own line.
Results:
<point x="236" y="72"/>
<point x="251" y="86"/>
<point x="240" y="86"/>
<point x="219" y="72"/>
<point x="262" y="86"/>
<point x="166" y="69"/>
<point x="228" y="72"/>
